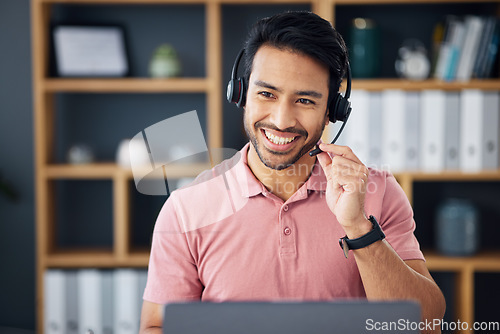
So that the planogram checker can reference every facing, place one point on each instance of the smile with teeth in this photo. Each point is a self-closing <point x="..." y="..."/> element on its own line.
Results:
<point x="278" y="140"/>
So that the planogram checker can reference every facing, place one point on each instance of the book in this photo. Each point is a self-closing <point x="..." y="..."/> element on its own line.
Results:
<point x="455" y="45"/>
<point x="482" y="49"/>
<point x="54" y="302"/>
<point x="442" y="38"/>
<point x="333" y="128"/>
<point x="479" y="112"/>
<point x="452" y="131"/>
<point x="107" y="301"/>
<point x="473" y="30"/>
<point x="141" y="280"/>
<point x="71" y="301"/>
<point x="127" y="311"/>
<point x="89" y="301"/>
<point x="393" y="134"/>
<point x="437" y="41"/>
<point x="412" y="128"/>
<point x="492" y="52"/>
<point x="375" y="131"/>
<point x="432" y="133"/>
<point x="357" y="135"/>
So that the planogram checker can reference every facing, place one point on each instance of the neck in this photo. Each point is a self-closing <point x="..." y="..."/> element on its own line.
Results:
<point x="283" y="183"/>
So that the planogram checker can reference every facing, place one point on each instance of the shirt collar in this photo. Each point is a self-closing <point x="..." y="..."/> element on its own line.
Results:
<point x="243" y="172"/>
<point x="316" y="182"/>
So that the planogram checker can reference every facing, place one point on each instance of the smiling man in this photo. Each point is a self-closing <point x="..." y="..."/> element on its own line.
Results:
<point x="284" y="117"/>
<point x="269" y="228"/>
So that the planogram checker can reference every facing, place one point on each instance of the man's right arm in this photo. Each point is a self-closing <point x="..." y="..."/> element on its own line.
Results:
<point x="151" y="318"/>
<point x="172" y="271"/>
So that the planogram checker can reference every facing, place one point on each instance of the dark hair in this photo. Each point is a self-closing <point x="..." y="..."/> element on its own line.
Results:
<point x="303" y="32"/>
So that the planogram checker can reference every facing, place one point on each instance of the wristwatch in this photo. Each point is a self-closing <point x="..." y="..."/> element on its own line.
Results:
<point x="369" y="238"/>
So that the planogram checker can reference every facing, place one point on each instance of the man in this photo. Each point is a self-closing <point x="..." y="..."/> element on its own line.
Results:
<point x="266" y="225"/>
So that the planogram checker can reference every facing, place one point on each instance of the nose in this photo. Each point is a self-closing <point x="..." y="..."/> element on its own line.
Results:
<point x="283" y="115"/>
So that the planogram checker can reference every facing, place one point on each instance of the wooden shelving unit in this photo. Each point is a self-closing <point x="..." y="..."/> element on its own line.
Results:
<point x="407" y="179"/>
<point x="45" y="87"/>
<point x="379" y="84"/>
<point x="128" y="85"/>
<point x="121" y="254"/>
<point x="111" y="170"/>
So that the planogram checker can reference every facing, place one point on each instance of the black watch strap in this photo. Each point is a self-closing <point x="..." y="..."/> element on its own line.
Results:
<point x="369" y="238"/>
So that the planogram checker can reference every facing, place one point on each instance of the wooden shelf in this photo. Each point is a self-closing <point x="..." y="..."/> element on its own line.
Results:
<point x="92" y="258"/>
<point x="87" y="171"/>
<point x="201" y="85"/>
<point x="126" y="85"/>
<point x="111" y="170"/>
<point x="401" y="2"/>
<point x="184" y="2"/>
<point x="484" y="261"/>
<point x="407" y="179"/>
<point x="125" y="2"/>
<point x="489" y="175"/>
<point x="333" y="2"/>
<point x="381" y="84"/>
<point x="176" y="170"/>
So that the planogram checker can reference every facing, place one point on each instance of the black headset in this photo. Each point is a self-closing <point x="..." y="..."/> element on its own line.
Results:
<point x="236" y="90"/>
<point x="339" y="106"/>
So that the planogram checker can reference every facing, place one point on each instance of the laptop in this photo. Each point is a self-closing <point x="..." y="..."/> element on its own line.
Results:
<point x="346" y="317"/>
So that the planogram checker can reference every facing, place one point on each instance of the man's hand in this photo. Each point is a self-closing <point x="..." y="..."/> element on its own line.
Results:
<point x="345" y="193"/>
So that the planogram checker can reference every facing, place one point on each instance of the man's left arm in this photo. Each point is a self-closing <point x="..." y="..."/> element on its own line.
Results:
<point x="384" y="274"/>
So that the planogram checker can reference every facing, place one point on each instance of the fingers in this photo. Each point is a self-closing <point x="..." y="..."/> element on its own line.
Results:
<point x="344" y="168"/>
<point x="351" y="181"/>
<point x="349" y="166"/>
<point x="324" y="160"/>
<point x="338" y="150"/>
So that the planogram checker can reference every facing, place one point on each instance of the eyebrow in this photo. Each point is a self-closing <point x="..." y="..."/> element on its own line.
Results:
<point x="311" y="93"/>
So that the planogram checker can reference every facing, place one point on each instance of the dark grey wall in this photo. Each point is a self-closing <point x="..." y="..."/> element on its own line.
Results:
<point x="17" y="261"/>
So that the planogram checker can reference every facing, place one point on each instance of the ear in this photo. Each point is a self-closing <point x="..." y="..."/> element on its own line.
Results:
<point x="327" y="117"/>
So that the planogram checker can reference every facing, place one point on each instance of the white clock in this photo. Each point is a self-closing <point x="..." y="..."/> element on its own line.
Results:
<point x="412" y="62"/>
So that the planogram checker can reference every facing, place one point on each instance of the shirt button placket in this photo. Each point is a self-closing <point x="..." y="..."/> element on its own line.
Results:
<point x="287" y="239"/>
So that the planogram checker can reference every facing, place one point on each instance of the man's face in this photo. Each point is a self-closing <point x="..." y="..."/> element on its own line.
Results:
<point x="285" y="111"/>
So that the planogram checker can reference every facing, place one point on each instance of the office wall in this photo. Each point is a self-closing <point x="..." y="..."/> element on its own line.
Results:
<point x="17" y="247"/>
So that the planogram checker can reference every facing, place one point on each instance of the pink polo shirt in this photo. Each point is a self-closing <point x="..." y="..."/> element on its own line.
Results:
<point x="226" y="238"/>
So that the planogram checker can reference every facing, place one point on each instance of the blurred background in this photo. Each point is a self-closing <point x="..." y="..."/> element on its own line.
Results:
<point x="82" y="209"/>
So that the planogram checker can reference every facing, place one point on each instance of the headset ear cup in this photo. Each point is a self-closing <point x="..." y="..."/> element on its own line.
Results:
<point x="236" y="92"/>
<point x="341" y="109"/>
<point x="344" y="109"/>
<point x="242" y="93"/>
<point x="232" y="91"/>
<point x="334" y="106"/>
<point x="236" y="86"/>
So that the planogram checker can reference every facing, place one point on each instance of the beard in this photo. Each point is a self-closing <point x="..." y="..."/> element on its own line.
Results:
<point x="287" y="158"/>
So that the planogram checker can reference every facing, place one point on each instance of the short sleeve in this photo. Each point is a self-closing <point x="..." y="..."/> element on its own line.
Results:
<point x="397" y="221"/>
<point x="172" y="272"/>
